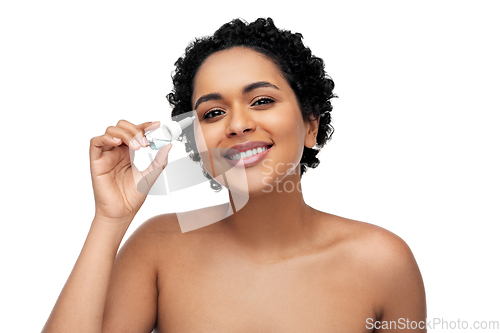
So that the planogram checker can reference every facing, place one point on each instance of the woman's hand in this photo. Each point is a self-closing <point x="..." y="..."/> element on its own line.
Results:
<point x="120" y="188"/>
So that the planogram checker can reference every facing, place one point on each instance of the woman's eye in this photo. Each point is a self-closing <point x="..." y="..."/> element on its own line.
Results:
<point x="263" y="101"/>
<point x="213" y="114"/>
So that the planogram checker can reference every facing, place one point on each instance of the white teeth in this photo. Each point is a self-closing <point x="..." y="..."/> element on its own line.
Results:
<point x="248" y="153"/>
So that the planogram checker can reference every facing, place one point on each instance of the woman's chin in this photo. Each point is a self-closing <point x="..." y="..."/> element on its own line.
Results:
<point x="257" y="180"/>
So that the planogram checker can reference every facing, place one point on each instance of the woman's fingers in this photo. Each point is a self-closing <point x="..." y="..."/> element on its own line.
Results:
<point x="130" y="134"/>
<point x="102" y="143"/>
<point x="124" y="132"/>
<point x="147" y="178"/>
<point x="159" y="163"/>
<point x="150" y="125"/>
<point x="133" y="136"/>
<point x="126" y="136"/>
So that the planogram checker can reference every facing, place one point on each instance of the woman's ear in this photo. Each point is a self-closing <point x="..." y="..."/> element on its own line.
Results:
<point x="312" y="126"/>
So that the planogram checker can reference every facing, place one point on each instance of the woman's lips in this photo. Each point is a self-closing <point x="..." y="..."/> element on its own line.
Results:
<point x="251" y="160"/>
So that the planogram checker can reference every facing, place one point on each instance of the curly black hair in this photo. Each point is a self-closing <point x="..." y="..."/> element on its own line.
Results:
<point x="304" y="72"/>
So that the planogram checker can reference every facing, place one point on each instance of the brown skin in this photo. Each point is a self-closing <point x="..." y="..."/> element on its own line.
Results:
<point x="277" y="265"/>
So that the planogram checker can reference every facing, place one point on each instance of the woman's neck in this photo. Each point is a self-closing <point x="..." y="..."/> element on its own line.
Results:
<point x="274" y="225"/>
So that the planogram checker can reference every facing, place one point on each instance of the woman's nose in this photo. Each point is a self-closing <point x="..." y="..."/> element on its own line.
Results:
<point x="240" y="122"/>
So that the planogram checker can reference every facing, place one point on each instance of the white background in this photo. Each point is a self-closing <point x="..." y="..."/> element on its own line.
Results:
<point x="415" y="150"/>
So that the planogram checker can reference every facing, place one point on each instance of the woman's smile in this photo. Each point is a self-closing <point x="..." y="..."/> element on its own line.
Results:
<point x="247" y="154"/>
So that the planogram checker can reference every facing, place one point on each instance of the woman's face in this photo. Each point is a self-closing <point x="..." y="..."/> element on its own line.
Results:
<point x="244" y="104"/>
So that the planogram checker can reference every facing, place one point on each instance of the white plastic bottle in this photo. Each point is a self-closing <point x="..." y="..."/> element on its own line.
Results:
<point x="167" y="133"/>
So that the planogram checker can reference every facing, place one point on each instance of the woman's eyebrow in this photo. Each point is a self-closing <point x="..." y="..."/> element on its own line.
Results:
<point x="246" y="89"/>
<point x="256" y="85"/>
<point x="206" y="98"/>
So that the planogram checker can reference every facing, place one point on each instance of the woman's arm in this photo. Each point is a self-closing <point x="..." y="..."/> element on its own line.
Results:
<point x="132" y="296"/>
<point x="402" y="294"/>
<point x="115" y="180"/>
<point x="80" y="305"/>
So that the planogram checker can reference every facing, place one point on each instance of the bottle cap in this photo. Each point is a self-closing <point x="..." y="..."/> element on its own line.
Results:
<point x="168" y="132"/>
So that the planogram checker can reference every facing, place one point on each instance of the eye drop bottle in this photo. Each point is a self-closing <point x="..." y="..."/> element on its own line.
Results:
<point x="167" y="132"/>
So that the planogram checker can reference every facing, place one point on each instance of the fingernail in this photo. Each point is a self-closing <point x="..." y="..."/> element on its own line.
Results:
<point x="135" y="143"/>
<point x="145" y="141"/>
<point x="153" y="123"/>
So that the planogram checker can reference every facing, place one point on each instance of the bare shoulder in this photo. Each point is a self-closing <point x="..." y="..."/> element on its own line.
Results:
<point x="161" y="237"/>
<point x="157" y="227"/>
<point x="380" y="259"/>
<point x="365" y="241"/>
<point x="383" y="257"/>
<point x="164" y="223"/>
<point x="151" y="234"/>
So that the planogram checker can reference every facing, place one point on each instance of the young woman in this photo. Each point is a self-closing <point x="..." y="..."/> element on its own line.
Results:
<point x="276" y="265"/>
